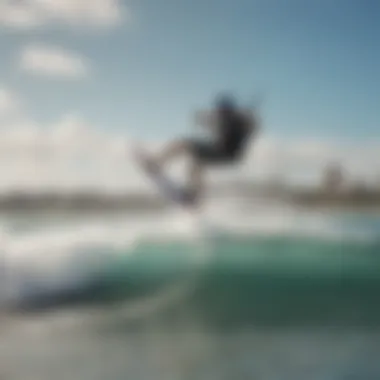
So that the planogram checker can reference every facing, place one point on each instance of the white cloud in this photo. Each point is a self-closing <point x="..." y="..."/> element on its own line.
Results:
<point x="73" y="154"/>
<point x="9" y="103"/>
<point x="67" y="155"/>
<point x="53" y="61"/>
<point x="29" y="14"/>
<point x="305" y="159"/>
<point x="18" y="15"/>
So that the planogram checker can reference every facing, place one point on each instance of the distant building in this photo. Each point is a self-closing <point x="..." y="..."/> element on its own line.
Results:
<point x="333" y="178"/>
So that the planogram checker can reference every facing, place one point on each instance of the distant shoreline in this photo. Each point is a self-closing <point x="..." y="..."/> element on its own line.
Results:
<point x="95" y="203"/>
<point x="364" y="200"/>
<point x="84" y="202"/>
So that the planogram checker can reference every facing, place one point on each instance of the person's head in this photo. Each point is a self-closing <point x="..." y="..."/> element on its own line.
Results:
<point x="225" y="104"/>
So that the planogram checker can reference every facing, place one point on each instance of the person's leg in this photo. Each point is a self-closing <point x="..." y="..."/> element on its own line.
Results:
<point x="200" y="153"/>
<point x="195" y="151"/>
<point x="172" y="150"/>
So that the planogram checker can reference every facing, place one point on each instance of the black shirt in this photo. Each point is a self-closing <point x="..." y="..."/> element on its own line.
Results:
<point x="233" y="132"/>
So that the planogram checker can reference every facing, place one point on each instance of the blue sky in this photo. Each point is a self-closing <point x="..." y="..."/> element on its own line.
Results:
<point x="317" y="63"/>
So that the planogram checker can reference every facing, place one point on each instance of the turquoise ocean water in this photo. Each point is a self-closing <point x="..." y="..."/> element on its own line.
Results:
<point x="245" y="292"/>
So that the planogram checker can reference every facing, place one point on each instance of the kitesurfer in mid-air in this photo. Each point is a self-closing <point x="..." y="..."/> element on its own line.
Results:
<point x="231" y="126"/>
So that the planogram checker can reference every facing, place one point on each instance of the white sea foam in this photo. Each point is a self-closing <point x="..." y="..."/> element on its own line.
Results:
<point x="61" y="257"/>
<point x="262" y="218"/>
<point x="47" y="246"/>
<point x="58" y="257"/>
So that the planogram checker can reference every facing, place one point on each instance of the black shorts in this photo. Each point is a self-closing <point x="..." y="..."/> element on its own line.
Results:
<point x="209" y="153"/>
